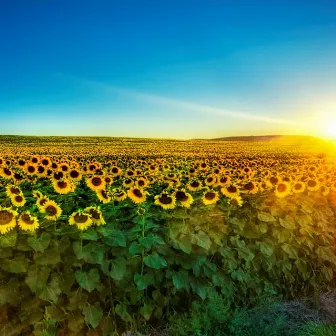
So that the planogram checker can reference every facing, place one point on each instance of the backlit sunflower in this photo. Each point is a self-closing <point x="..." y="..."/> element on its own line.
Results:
<point x="18" y="200"/>
<point x="313" y="185"/>
<point x="184" y="198"/>
<point x="230" y="191"/>
<point x="324" y="190"/>
<point x="250" y="188"/>
<point x="137" y="195"/>
<point x="7" y="219"/>
<point x="165" y="200"/>
<point x="210" y="197"/>
<point x="96" y="215"/>
<point x="298" y="187"/>
<point x="81" y="220"/>
<point x="96" y="183"/>
<point x="222" y="181"/>
<point x="63" y="186"/>
<point x="235" y="201"/>
<point x="282" y="189"/>
<point x="28" y="222"/>
<point x="52" y="210"/>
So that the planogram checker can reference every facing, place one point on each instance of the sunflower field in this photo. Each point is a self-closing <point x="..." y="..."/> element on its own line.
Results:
<point x="101" y="235"/>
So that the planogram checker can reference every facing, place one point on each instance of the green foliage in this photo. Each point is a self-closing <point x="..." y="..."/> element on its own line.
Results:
<point x="139" y="269"/>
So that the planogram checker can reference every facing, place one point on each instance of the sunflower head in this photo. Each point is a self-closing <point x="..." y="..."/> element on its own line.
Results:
<point x="28" y="222"/>
<point x="81" y="220"/>
<point x="7" y="219"/>
<point x="165" y="200"/>
<point x="137" y="195"/>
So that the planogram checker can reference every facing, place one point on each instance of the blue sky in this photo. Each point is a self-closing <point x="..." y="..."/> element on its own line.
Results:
<point x="172" y="69"/>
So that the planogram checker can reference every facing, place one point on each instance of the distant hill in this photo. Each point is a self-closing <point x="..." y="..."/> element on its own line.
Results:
<point x="264" y="138"/>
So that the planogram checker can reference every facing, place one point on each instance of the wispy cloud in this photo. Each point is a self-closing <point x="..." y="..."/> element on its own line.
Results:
<point x="187" y="105"/>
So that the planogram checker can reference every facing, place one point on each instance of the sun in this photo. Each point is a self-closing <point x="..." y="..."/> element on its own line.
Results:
<point x="331" y="128"/>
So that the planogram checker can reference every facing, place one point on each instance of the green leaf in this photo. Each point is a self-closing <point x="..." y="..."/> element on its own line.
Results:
<point x="181" y="280"/>
<point x="17" y="265"/>
<point x="143" y="281"/>
<point x="147" y="310"/>
<point x="265" y="217"/>
<point x="155" y="261"/>
<point x="9" y="239"/>
<point x="49" y="257"/>
<point x="51" y="290"/>
<point x="266" y="249"/>
<point x="89" y="234"/>
<point x="93" y="315"/>
<point x="88" y="280"/>
<point x="39" y="243"/>
<point x="121" y="310"/>
<point x="117" y="238"/>
<point x="151" y="240"/>
<point x="201" y="239"/>
<point x="290" y="250"/>
<point x="118" y="268"/>
<point x="37" y="278"/>
<point x="288" y="223"/>
<point x="135" y="248"/>
<point x="92" y="253"/>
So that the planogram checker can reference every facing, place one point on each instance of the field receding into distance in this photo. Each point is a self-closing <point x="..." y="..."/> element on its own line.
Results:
<point x="102" y="235"/>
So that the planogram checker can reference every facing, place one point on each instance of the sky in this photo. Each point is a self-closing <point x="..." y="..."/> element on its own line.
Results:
<point x="167" y="69"/>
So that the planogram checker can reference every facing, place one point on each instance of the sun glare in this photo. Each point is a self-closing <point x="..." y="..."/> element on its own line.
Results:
<point x="331" y="128"/>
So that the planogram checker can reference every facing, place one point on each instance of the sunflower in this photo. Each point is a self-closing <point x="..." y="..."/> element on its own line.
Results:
<point x="194" y="185"/>
<point x="210" y="180"/>
<point x="45" y="161"/>
<point x="210" y="197"/>
<point x="324" y="190"/>
<point x="115" y="171"/>
<point x="235" y="201"/>
<point x="37" y="194"/>
<point x="137" y="195"/>
<point x="103" y="196"/>
<point x="128" y="183"/>
<point x="165" y="200"/>
<point x="81" y="220"/>
<point x="184" y="198"/>
<point x="63" y="186"/>
<point x="282" y="189"/>
<point x="141" y="183"/>
<point x="13" y="191"/>
<point x="230" y="191"/>
<point x="31" y="169"/>
<point x="7" y="219"/>
<point x="6" y="173"/>
<point x="298" y="187"/>
<point x="28" y="222"/>
<point x="41" y="171"/>
<point x="222" y="181"/>
<point x="119" y="194"/>
<point x="18" y="200"/>
<point x="250" y="188"/>
<point x="313" y="185"/>
<point x="108" y="180"/>
<point x="95" y="183"/>
<point x="52" y="210"/>
<point x="41" y="202"/>
<point x="75" y="174"/>
<point x="96" y="215"/>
